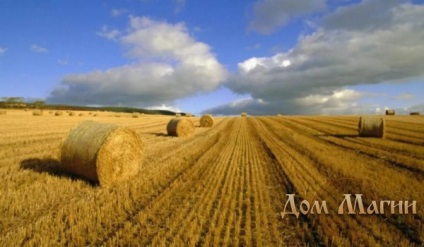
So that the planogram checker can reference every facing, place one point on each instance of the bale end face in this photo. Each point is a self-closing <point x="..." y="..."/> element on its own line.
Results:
<point x="206" y="121"/>
<point x="180" y="127"/>
<point x="371" y="127"/>
<point x="103" y="153"/>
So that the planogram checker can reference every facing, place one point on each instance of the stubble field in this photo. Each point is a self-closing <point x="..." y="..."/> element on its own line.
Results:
<point x="225" y="185"/>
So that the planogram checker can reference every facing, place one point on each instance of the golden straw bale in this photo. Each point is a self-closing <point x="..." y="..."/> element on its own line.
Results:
<point x="180" y="127"/>
<point x="81" y="114"/>
<point x="3" y="112"/>
<point x="189" y="115"/>
<point x="58" y="113"/>
<point x="390" y="112"/>
<point x="243" y="114"/>
<point x="371" y="127"/>
<point x="37" y="112"/>
<point x="71" y="113"/>
<point x="206" y="121"/>
<point x="178" y="115"/>
<point x="135" y="115"/>
<point x="103" y="153"/>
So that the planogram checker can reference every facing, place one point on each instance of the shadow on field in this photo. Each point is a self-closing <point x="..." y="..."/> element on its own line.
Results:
<point x="49" y="166"/>
<point x="341" y="135"/>
<point x="159" y="134"/>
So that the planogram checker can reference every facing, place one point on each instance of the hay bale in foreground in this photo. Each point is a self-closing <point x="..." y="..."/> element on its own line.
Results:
<point x="180" y="127"/>
<point x="390" y="112"/>
<point x="243" y="114"/>
<point x="415" y="113"/>
<point x="206" y="121"/>
<point x="103" y="153"/>
<point x="371" y="127"/>
<point x="58" y="113"/>
<point x="37" y="112"/>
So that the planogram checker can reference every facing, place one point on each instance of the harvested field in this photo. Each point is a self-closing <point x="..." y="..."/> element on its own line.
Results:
<point x="224" y="185"/>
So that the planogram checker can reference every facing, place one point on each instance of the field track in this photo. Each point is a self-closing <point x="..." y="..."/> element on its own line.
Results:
<point x="226" y="185"/>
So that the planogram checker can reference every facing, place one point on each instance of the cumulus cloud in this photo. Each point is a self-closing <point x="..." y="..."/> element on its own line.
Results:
<point x="38" y="49"/>
<point x="107" y="33"/>
<point x="334" y="59"/>
<point x="170" y="64"/>
<point x="2" y="50"/>
<point x="345" y="101"/>
<point x="272" y="14"/>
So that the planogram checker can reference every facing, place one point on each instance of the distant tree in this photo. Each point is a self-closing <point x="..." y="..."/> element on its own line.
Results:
<point x="39" y="104"/>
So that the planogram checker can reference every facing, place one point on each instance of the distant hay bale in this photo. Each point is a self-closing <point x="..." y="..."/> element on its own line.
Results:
<point x="81" y="114"/>
<point x="390" y="112"/>
<point x="3" y="112"/>
<point x="90" y="113"/>
<point x="50" y="112"/>
<point x="415" y="113"/>
<point x="58" y="113"/>
<point x="180" y="127"/>
<point x="189" y="115"/>
<point x="71" y="113"/>
<point x="243" y="114"/>
<point x="279" y="115"/>
<point x="95" y="115"/>
<point x="178" y="115"/>
<point x="371" y="127"/>
<point x="117" y="115"/>
<point x="206" y="121"/>
<point x="135" y="115"/>
<point x="37" y="113"/>
<point x="103" y="153"/>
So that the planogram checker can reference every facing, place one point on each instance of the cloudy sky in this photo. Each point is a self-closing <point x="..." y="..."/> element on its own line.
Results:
<point x="217" y="56"/>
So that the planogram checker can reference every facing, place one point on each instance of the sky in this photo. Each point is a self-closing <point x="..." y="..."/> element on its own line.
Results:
<point x="222" y="57"/>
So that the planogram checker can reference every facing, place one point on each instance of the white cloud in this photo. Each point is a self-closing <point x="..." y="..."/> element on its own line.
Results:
<point x="343" y="101"/>
<point x="108" y="34"/>
<point x="404" y="96"/>
<point x="118" y="12"/>
<point x="330" y="60"/>
<point x="164" y="107"/>
<point x="272" y="14"/>
<point x="38" y="49"/>
<point x="2" y="50"/>
<point x="170" y="65"/>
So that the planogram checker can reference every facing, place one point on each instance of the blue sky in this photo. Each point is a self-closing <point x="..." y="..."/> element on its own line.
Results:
<point x="220" y="57"/>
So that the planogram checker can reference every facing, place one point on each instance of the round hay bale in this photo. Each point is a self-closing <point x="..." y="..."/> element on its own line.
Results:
<point x="81" y="114"/>
<point x="178" y="115"/>
<point x="390" y="112"/>
<point x="37" y="113"/>
<point x="95" y="115"/>
<point x="415" y="113"/>
<point x="180" y="127"/>
<point x="3" y="112"/>
<point x="71" y="113"/>
<point x="371" y="127"/>
<point x="58" y="113"/>
<point x="135" y="115"/>
<point x="103" y="153"/>
<point x="243" y="114"/>
<point x="189" y="115"/>
<point x="206" y="121"/>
